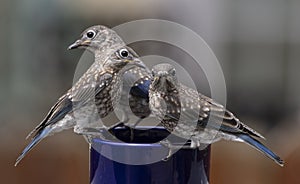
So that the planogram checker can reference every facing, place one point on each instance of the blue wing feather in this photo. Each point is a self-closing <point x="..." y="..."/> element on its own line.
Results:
<point x="259" y="146"/>
<point x="37" y="138"/>
<point x="57" y="112"/>
<point x="141" y="90"/>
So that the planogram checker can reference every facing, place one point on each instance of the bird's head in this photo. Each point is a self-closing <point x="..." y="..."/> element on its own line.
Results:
<point x="97" y="38"/>
<point x="164" y="77"/>
<point x="122" y="58"/>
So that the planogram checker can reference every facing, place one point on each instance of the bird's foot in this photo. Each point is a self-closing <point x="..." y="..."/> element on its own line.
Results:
<point x="87" y="130"/>
<point x="120" y="124"/>
<point x="91" y="133"/>
<point x="125" y="124"/>
<point x="132" y="127"/>
<point x="172" y="148"/>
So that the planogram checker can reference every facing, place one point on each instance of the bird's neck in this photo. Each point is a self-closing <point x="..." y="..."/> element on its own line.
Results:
<point x="101" y="56"/>
<point x="168" y="90"/>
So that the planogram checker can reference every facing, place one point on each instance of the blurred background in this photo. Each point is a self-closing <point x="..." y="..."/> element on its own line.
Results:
<point x="256" y="42"/>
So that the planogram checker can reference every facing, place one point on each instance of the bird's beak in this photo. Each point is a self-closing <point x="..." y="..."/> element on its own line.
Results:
<point x="79" y="43"/>
<point x="137" y="63"/>
<point x="75" y="45"/>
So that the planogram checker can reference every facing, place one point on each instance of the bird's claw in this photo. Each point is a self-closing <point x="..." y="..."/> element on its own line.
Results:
<point x="171" y="148"/>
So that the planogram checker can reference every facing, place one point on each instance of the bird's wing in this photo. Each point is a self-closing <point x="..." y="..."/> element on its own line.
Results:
<point x="75" y="98"/>
<point x="137" y="81"/>
<point x="229" y="122"/>
<point x="66" y="104"/>
<point x="260" y="147"/>
<point x="56" y="113"/>
<point x="221" y="118"/>
<point x="141" y="89"/>
<point x="87" y="92"/>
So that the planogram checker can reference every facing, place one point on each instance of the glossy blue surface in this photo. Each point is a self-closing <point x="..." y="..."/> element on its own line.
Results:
<point x="186" y="166"/>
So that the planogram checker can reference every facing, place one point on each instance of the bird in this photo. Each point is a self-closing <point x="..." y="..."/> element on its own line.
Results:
<point x="135" y="95"/>
<point x="97" y="91"/>
<point x="189" y="114"/>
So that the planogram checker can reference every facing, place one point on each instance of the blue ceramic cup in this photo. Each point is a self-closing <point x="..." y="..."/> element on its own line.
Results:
<point x="133" y="162"/>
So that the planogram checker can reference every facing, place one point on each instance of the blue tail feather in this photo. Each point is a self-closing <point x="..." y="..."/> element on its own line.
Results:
<point x="33" y="143"/>
<point x="259" y="146"/>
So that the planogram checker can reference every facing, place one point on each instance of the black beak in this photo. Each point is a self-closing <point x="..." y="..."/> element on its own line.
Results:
<point x="79" y="43"/>
<point x="75" y="45"/>
<point x="136" y="63"/>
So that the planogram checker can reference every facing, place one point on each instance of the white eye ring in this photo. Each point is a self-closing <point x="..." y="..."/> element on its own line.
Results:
<point x="123" y="53"/>
<point x="91" y="34"/>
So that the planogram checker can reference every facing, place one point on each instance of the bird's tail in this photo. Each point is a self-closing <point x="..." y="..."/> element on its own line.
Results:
<point x="36" y="139"/>
<point x="260" y="147"/>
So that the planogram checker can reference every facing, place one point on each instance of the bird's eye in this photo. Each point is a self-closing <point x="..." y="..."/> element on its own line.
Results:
<point x="153" y="73"/>
<point x="91" y="34"/>
<point x="173" y="72"/>
<point x="124" y="53"/>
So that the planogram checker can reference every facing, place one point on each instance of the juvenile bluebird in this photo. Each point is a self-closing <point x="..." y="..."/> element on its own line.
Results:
<point x="96" y="93"/>
<point x="136" y="80"/>
<point x="191" y="115"/>
<point x="135" y="94"/>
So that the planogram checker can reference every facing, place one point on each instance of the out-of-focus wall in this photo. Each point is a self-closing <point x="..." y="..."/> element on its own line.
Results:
<point x="257" y="45"/>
